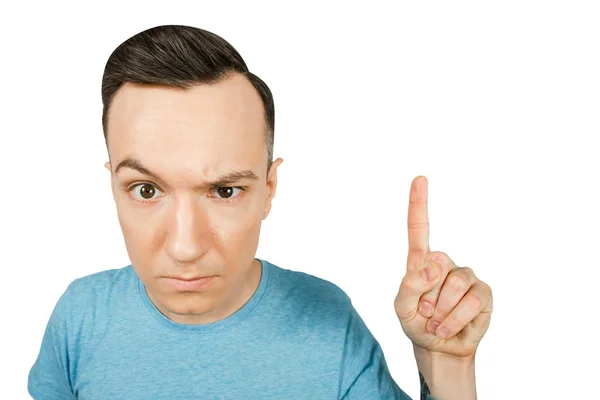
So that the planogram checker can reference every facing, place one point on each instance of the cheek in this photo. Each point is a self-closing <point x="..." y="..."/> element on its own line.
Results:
<point x="235" y="240"/>
<point x="141" y="229"/>
<point x="240" y="228"/>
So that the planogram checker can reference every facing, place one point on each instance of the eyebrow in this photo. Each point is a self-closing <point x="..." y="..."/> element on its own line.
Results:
<point x="222" y="180"/>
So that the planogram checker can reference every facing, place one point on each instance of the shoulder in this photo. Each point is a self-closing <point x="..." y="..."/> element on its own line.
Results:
<point x="86" y="292"/>
<point x="311" y="296"/>
<point x="100" y="282"/>
<point x="308" y="287"/>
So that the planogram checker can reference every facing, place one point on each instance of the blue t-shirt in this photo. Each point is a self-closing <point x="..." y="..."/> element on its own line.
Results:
<point x="298" y="337"/>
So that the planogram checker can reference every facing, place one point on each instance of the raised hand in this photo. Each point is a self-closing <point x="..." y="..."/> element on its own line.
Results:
<point x="442" y="308"/>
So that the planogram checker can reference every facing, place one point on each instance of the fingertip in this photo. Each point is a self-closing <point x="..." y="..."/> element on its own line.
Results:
<point x="426" y="309"/>
<point x="442" y="332"/>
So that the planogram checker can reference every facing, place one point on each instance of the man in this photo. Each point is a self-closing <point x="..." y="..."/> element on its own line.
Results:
<point x="189" y="132"/>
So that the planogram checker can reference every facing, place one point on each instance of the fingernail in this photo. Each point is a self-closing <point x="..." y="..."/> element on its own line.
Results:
<point x="425" y="309"/>
<point x="443" y="333"/>
<point x="433" y="327"/>
<point x="428" y="273"/>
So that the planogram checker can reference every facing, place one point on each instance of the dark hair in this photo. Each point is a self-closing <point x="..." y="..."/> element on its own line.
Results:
<point x="180" y="56"/>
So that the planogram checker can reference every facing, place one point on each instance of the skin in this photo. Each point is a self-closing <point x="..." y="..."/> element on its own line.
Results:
<point x="444" y="309"/>
<point x="177" y="220"/>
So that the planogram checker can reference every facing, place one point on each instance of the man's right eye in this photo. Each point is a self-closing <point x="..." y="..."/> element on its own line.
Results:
<point x="144" y="191"/>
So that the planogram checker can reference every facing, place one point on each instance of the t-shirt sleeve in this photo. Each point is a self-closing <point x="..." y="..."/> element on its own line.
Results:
<point x="364" y="372"/>
<point x="49" y="377"/>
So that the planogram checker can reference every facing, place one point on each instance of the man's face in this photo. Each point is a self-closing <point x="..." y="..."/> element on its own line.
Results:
<point x="184" y="155"/>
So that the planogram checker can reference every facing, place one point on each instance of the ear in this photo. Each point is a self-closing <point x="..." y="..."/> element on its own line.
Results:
<point x="271" y="186"/>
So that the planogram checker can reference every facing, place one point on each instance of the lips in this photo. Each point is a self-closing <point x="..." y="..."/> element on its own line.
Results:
<point x="189" y="279"/>
<point x="188" y="283"/>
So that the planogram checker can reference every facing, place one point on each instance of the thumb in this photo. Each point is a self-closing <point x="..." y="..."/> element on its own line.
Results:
<point x="414" y="284"/>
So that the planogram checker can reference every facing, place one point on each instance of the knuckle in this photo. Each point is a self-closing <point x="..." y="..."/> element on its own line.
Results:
<point x="487" y="288"/>
<point x="457" y="283"/>
<point x="440" y="314"/>
<point x="488" y="294"/>
<point x="476" y="302"/>
<point x="469" y="275"/>
<point x="452" y="324"/>
<point x="418" y="225"/>
<point x="430" y="298"/>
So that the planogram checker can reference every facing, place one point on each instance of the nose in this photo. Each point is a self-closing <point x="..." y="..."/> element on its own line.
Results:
<point x="189" y="231"/>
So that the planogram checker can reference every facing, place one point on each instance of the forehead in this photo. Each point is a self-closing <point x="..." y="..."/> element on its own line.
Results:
<point x="206" y="128"/>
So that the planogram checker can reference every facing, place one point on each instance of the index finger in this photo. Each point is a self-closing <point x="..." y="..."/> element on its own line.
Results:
<point x="418" y="223"/>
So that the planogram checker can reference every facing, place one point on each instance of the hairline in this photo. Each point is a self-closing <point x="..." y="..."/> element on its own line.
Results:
<point x="190" y="85"/>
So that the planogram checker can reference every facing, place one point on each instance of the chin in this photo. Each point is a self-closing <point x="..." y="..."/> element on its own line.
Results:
<point x="189" y="303"/>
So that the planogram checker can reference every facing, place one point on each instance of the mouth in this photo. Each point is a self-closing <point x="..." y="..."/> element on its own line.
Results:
<point x="187" y="284"/>
<point x="188" y="279"/>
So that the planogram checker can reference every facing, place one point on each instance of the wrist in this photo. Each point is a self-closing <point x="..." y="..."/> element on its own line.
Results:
<point x="447" y="377"/>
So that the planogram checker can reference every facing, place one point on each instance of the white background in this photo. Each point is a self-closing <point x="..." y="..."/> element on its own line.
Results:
<point x="496" y="104"/>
